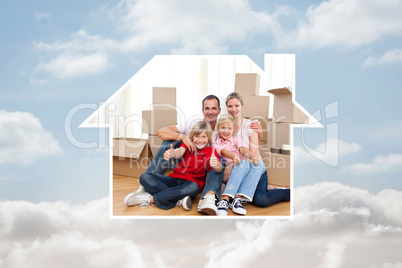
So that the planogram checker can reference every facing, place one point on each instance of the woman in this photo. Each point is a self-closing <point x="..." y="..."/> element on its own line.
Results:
<point x="251" y="135"/>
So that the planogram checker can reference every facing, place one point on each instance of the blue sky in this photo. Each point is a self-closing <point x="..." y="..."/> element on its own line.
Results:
<point x="57" y="55"/>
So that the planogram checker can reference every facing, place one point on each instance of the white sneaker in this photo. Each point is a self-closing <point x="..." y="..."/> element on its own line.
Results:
<point x="207" y="205"/>
<point x="140" y="190"/>
<point x="237" y="207"/>
<point x="141" y="200"/>
<point x="186" y="203"/>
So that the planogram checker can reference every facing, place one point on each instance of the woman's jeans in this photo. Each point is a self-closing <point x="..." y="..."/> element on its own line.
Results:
<point x="244" y="179"/>
<point x="265" y="198"/>
<point x="166" y="190"/>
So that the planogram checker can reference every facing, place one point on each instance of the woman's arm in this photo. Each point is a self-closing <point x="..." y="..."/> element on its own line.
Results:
<point x="254" y="147"/>
<point x="256" y="126"/>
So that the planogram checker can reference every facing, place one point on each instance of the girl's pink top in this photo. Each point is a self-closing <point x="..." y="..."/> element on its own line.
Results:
<point x="232" y="145"/>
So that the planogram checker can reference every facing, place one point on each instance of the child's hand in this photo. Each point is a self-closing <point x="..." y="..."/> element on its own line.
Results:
<point x="255" y="158"/>
<point x="236" y="159"/>
<point x="169" y="153"/>
<point x="213" y="161"/>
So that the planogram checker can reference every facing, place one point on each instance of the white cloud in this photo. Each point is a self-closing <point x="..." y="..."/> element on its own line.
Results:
<point x="334" y="226"/>
<point x="190" y="27"/>
<point x="208" y="27"/>
<point x="68" y="66"/>
<point x="381" y="164"/>
<point x="391" y="56"/>
<point x="23" y="139"/>
<point x="42" y="15"/>
<point x="346" y="23"/>
<point x="185" y="27"/>
<point x="73" y="249"/>
<point x="83" y="55"/>
<point x="328" y="151"/>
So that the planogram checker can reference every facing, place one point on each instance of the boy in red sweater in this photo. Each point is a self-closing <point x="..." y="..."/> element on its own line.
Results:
<point x="187" y="179"/>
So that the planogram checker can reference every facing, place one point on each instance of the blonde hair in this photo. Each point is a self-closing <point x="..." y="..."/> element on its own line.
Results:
<point x="225" y="118"/>
<point x="200" y="127"/>
<point x="234" y="95"/>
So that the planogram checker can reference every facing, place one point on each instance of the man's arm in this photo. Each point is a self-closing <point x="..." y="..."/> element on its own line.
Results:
<point x="172" y="133"/>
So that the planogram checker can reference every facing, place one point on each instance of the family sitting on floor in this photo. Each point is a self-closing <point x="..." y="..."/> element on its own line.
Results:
<point x="212" y="151"/>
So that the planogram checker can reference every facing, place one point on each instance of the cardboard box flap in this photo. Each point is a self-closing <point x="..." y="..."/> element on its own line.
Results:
<point x="279" y="91"/>
<point x="299" y="116"/>
<point x="128" y="147"/>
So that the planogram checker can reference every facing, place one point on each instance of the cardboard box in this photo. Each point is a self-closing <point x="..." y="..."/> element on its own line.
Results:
<point x="284" y="108"/>
<point x="155" y="143"/>
<point x="131" y="157"/>
<point x="264" y="125"/>
<point x="278" y="134"/>
<point x="164" y="98"/>
<point x="255" y="105"/>
<point x="277" y="166"/>
<point x="247" y="84"/>
<point x="153" y="120"/>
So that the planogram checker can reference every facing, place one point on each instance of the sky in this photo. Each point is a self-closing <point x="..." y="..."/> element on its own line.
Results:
<point x="60" y="61"/>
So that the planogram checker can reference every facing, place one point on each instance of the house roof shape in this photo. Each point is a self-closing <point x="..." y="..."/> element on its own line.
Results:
<point x="194" y="77"/>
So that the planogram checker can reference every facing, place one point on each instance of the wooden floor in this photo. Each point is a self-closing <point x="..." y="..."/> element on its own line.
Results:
<point x="124" y="185"/>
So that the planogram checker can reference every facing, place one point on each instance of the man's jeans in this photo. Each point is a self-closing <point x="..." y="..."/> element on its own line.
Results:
<point x="265" y="198"/>
<point x="159" y="166"/>
<point x="243" y="179"/>
<point x="166" y="190"/>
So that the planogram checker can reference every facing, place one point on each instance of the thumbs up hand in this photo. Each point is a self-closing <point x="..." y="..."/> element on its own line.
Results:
<point x="236" y="159"/>
<point x="169" y="153"/>
<point x="213" y="161"/>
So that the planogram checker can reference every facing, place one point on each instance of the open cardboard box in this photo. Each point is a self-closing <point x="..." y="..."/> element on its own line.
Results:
<point x="131" y="157"/>
<point x="284" y="108"/>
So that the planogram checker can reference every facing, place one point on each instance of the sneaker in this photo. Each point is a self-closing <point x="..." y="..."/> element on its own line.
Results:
<point x="223" y="206"/>
<point x="237" y="207"/>
<point x="141" y="200"/>
<point x="186" y="203"/>
<point x="140" y="190"/>
<point x="207" y="205"/>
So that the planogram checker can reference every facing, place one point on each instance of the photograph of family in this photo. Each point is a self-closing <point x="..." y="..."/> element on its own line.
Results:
<point x="230" y="156"/>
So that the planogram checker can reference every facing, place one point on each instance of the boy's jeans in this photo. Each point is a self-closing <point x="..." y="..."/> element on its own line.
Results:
<point x="160" y="165"/>
<point x="166" y="190"/>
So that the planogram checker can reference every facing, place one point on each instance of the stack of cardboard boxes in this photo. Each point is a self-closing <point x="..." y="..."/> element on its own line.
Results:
<point x="131" y="157"/>
<point x="276" y="140"/>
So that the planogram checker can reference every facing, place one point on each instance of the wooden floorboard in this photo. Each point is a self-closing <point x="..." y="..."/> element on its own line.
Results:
<point x="124" y="185"/>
